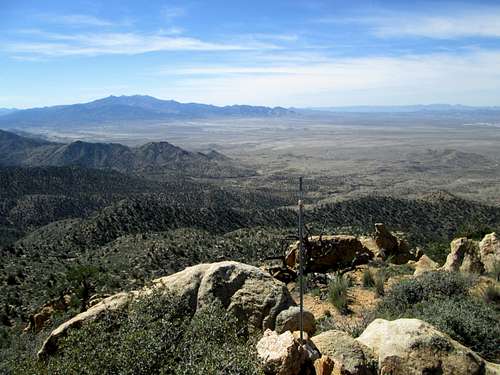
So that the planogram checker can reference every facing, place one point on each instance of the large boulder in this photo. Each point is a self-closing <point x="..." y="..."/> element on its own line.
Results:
<point x="251" y="294"/>
<point x="349" y="356"/>
<point x="489" y="251"/>
<point x="285" y="354"/>
<point x="414" y="347"/>
<point x="289" y="320"/>
<point x="464" y="256"/>
<point x="324" y="253"/>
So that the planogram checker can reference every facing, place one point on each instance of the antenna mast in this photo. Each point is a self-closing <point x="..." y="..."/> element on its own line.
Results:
<point x="301" y="257"/>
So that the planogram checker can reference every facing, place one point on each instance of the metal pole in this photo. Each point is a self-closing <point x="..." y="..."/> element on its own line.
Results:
<point x="301" y="256"/>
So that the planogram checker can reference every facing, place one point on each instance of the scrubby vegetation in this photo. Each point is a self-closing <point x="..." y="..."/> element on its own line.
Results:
<point x="443" y="299"/>
<point x="338" y="288"/>
<point x="72" y="232"/>
<point x="367" y="278"/>
<point x="153" y="336"/>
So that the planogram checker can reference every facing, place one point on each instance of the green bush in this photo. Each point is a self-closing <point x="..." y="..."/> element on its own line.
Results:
<point x="496" y="271"/>
<point x="442" y="299"/>
<point x="337" y="292"/>
<point x="492" y="295"/>
<point x="367" y="278"/>
<point x="438" y="251"/>
<point x="154" y="336"/>
<point x="406" y="293"/>
<point x="379" y="282"/>
<point x="468" y="320"/>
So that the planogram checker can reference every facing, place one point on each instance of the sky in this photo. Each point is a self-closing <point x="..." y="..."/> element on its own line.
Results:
<point x="300" y="53"/>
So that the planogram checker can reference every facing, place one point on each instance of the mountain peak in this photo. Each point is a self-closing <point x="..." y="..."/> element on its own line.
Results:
<point x="130" y="108"/>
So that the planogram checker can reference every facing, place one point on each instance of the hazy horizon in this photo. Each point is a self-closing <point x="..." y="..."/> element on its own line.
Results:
<point x="325" y="107"/>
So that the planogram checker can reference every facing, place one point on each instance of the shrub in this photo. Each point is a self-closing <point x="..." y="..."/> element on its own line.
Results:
<point x="353" y="327"/>
<point x="367" y="278"/>
<point x="155" y="336"/>
<point x="442" y="299"/>
<point x="496" y="271"/>
<point x="379" y="282"/>
<point x="406" y="293"/>
<point x="337" y="292"/>
<point x="468" y="320"/>
<point x="492" y="294"/>
<point x="438" y="251"/>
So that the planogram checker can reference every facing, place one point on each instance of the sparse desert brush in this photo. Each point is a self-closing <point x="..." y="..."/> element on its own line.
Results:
<point x="338" y="292"/>
<point x="379" y="282"/>
<point x="153" y="336"/>
<point x="367" y="278"/>
<point x="443" y="300"/>
<point x="496" y="271"/>
<point x="492" y="294"/>
<point x="353" y="327"/>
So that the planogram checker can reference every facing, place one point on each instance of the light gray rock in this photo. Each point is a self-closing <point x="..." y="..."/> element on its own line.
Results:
<point x="424" y="264"/>
<point x="349" y="356"/>
<point x="285" y="354"/>
<point x="489" y="251"/>
<point x="289" y="320"/>
<point x="414" y="347"/>
<point x="464" y="257"/>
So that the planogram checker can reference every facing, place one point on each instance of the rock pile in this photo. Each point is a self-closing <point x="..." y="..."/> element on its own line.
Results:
<point x="325" y="253"/>
<point x="399" y="347"/>
<point x="471" y="256"/>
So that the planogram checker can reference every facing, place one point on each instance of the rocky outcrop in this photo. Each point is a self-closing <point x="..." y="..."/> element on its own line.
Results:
<point x="289" y="320"/>
<point x="424" y="264"/>
<point x="39" y="319"/>
<point x="414" y="347"/>
<point x="390" y="247"/>
<point x="489" y="251"/>
<point x="471" y="256"/>
<point x="285" y="354"/>
<point x="324" y="366"/>
<point x="325" y="253"/>
<point x="464" y="256"/>
<point x="349" y="356"/>
<point x="251" y="294"/>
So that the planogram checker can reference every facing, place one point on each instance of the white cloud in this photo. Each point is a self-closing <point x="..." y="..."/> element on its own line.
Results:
<point x="75" y="20"/>
<point x="469" y="79"/>
<point x="171" y="12"/>
<point x="92" y="44"/>
<point x="454" y="23"/>
<point x="471" y="24"/>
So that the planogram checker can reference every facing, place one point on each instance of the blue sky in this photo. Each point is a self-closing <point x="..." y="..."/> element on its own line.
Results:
<point x="285" y="52"/>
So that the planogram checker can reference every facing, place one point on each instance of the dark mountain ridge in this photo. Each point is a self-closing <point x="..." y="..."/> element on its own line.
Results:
<point x="129" y="108"/>
<point x="154" y="157"/>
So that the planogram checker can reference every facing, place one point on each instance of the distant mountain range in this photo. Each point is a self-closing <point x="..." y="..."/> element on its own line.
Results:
<point x="155" y="158"/>
<point x="5" y="111"/>
<point x="142" y="108"/>
<point x="129" y="108"/>
<point x="404" y="108"/>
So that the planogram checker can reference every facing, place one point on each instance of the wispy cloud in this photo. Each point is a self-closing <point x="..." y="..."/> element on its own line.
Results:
<point x="75" y="20"/>
<point x="371" y="80"/>
<point x="441" y="27"/>
<point x="450" y="24"/>
<point x="92" y="44"/>
<point x="171" y="12"/>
